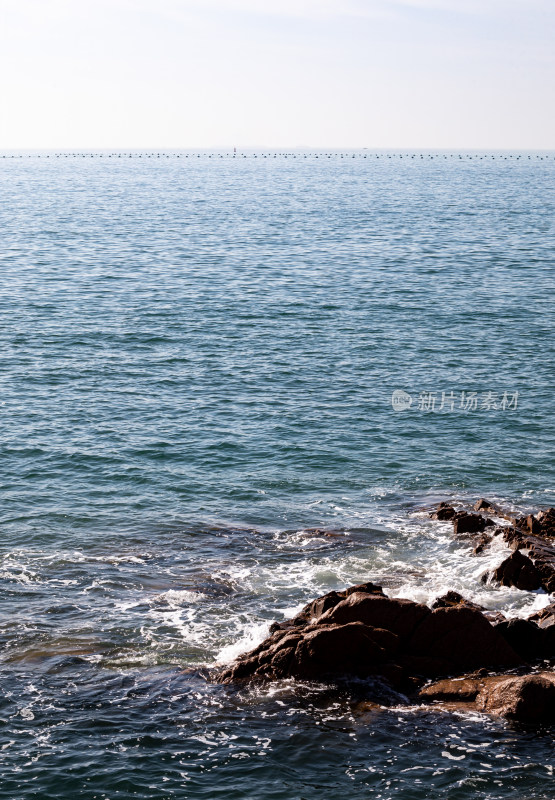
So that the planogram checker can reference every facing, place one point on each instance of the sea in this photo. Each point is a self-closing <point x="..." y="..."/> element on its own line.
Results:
<point x="232" y="382"/>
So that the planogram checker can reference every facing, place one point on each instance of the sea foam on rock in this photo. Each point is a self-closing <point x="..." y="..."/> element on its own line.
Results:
<point x="361" y="632"/>
<point x="532" y="564"/>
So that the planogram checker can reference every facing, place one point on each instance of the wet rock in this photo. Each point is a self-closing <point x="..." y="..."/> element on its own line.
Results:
<point x="529" y="698"/>
<point x="365" y="633"/>
<point x="482" y="543"/>
<point x="460" y="689"/>
<point x="484" y="505"/>
<point x="394" y="614"/>
<point x="336" y="650"/>
<point x="452" y="598"/>
<point x="518" y="570"/>
<point x="368" y="588"/>
<point x="468" y="523"/>
<point x="546" y="519"/>
<point x="544" y="618"/>
<point x="463" y="637"/>
<point x="319" y="606"/>
<point x="525" y="637"/>
<point x="443" y="512"/>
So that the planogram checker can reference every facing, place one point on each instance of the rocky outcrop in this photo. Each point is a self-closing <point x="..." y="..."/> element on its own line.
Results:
<point x="361" y="633"/>
<point x="523" y="698"/>
<point x="518" y="570"/>
<point x="463" y="521"/>
<point x="527" y="698"/>
<point x="532" y="537"/>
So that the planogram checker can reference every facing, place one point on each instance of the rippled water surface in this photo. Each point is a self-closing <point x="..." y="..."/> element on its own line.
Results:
<point x="198" y="355"/>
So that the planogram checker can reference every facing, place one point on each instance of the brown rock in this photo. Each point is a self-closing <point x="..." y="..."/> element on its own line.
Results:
<point x="524" y="636"/>
<point x="443" y="512"/>
<point x="454" y="599"/>
<point x="544" y="618"/>
<point x="481" y="544"/>
<point x="424" y="667"/>
<point x="463" y="637"/>
<point x="319" y="606"/>
<point x="396" y="615"/>
<point x="351" y="649"/>
<point x="468" y="523"/>
<point x="530" y="698"/>
<point x="461" y="689"/>
<point x="367" y="588"/>
<point x="518" y="570"/>
<point x="363" y="634"/>
<point x="484" y="505"/>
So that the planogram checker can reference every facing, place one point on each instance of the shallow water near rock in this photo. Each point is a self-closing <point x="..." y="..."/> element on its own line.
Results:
<point x="198" y="438"/>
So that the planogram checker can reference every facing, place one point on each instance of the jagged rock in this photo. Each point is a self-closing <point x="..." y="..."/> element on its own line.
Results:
<point x="518" y="570"/>
<point x="544" y="618"/>
<point x="525" y="637"/>
<point x="463" y="637"/>
<point x="443" y="512"/>
<point x="546" y="519"/>
<point x="460" y="689"/>
<point x="352" y="649"/>
<point x="468" y="523"/>
<point x="452" y="598"/>
<point x="317" y="607"/>
<point x="484" y="505"/>
<point x="526" y="698"/>
<point x="481" y="544"/>
<point x="365" y="633"/>
<point x="534" y="533"/>
<point x="530" y="698"/>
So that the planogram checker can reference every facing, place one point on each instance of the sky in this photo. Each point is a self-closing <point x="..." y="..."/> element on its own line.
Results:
<point x="393" y="74"/>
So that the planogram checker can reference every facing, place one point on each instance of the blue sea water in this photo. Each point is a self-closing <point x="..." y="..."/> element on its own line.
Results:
<point x="198" y="356"/>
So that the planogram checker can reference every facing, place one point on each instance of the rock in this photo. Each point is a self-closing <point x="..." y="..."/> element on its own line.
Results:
<point x="526" y="698"/>
<point x="322" y="604"/>
<point x="481" y="544"/>
<point x="546" y="519"/>
<point x="484" y="505"/>
<point x="524" y="636"/>
<point x="463" y="637"/>
<point x="454" y="599"/>
<point x="443" y="512"/>
<point x="461" y="689"/>
<point x="396" y="615"/>
<point x="530" y="698"/>
<point x="518" y="570"/>
<point x="468" y="523"/>
<point x="366" y="634"/>
<point x="544" y="618"/>
<point x="337" y="650"/>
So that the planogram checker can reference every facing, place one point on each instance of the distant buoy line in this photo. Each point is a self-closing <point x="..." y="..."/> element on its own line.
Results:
<point x="417" y="156"/>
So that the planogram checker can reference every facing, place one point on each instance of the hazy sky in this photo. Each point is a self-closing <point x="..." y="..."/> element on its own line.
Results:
<point x="322" y="73"/>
